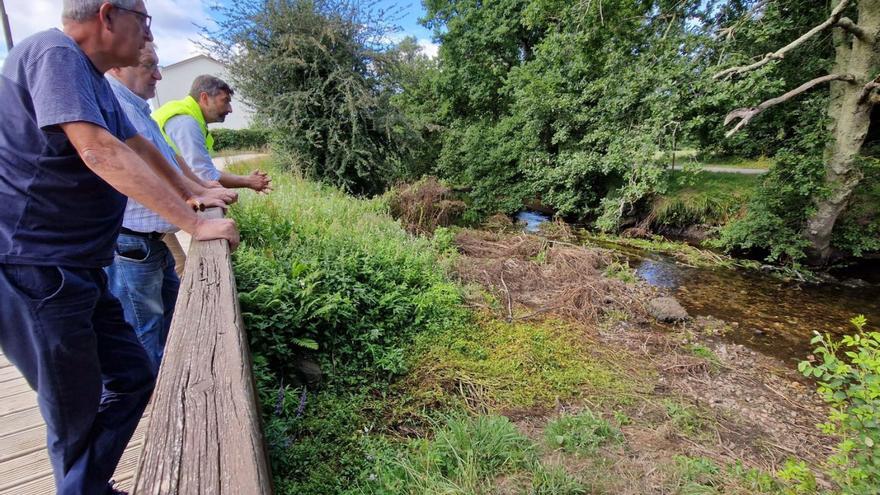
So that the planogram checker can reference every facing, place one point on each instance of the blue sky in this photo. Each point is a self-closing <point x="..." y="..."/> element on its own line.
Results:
<point x="174" y="23"/>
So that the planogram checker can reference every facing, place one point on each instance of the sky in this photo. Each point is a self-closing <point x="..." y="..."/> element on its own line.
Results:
<point x="175" y="23"/>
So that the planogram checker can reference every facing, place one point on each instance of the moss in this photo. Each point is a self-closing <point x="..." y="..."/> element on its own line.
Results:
<point x="520" y="365"/>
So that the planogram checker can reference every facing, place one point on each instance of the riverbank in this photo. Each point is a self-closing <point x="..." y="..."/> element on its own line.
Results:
<point x="496" y="362"/>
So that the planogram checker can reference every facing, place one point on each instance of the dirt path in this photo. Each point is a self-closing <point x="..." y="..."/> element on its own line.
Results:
<point x="734" y="170"/>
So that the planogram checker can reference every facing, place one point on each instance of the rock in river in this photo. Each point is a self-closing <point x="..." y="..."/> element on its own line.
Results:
<point x="667" y="310"/>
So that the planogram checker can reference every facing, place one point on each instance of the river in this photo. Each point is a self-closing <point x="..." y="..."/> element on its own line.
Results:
<point x="773" y="316"/>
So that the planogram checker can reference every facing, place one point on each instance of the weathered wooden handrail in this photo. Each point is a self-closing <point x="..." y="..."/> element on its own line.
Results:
<point x="204" y="435"/>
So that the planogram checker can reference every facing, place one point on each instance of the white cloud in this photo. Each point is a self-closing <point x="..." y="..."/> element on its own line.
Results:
<point x="174" y="23"/>
<point x="429" y="48"/>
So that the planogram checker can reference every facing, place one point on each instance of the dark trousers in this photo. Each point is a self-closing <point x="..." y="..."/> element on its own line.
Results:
<point x="65" y="332"/>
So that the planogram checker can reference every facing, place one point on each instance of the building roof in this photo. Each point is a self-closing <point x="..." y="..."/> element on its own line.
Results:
<point x="191" y="59"/>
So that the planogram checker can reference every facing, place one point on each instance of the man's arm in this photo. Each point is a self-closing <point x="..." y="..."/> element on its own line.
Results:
<point x="258" y="181"/>
<point x="191" y="176"/>
<point x="117" y="164"/>
<point x="187" y="135"/>
<point x="189" y="190"/>
<point x="153" y="157"/>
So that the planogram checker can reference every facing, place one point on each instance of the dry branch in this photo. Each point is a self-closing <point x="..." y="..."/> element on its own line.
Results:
<point x="780" y="54"/>
<point x="868" y="89"/>
<point x="747" y="114"/>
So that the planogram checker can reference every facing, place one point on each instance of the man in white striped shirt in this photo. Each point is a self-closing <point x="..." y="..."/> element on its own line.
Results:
<point x="142" y="275"/>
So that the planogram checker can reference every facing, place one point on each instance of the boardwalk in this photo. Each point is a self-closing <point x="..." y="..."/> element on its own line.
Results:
<point x="24" y="463"/>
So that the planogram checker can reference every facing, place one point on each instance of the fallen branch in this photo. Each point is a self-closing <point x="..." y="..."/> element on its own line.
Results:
<point x="747" y="114"/>
<point x="833" y="20"/>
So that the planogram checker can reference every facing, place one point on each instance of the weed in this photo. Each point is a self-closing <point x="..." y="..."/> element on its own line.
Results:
<point x="696" y="476"/>
<point x="464" y="457"/>
<point x="621" y="271"/>
<point x="581" y="434"/>
<point x="555" y="480"/>
<point x="798" y="478"/>
<point x="685" y="418"/>
<point x="848" y="372"/>
<point x="704" y="352"/>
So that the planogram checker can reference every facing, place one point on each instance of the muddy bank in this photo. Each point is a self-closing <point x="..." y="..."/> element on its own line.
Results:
<point x="701" y="394"/>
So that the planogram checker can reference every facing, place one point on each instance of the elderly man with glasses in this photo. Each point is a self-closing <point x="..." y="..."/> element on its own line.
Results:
<point x="143" y="274"/>
<point x="68" y="159"/>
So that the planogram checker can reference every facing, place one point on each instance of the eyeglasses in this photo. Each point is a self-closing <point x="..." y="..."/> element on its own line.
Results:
<point x="146" y="19"/>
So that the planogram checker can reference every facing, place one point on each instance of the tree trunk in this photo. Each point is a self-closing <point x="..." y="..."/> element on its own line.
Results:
<point x="850" y="120"/>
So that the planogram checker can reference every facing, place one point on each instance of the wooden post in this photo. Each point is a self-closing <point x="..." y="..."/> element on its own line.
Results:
<point x="204" y="435"/>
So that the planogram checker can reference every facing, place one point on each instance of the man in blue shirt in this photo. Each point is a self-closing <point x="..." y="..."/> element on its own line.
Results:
<point x="68" y="159"/>
<point x="143" y="274"/>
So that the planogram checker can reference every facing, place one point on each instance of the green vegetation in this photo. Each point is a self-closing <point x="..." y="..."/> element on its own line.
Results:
<point x="321" y="74"/>
<point x="323" y="275"/>
<point x="464" y="457"/>
<point x="848" y="371"/>
<point x="573" y="104"/>
<point x="421" y="394"/>
<point x="519" y="365"/>
<point x="226" y="140"/>
<point x="703" y="198"/>
<point x="581" y="433"/>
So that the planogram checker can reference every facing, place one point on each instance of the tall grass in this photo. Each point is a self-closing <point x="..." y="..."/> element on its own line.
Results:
<point x="331" y="278"/>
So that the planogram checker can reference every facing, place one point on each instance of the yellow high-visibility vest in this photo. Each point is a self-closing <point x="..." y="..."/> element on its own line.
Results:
<point x="187" y="106"/>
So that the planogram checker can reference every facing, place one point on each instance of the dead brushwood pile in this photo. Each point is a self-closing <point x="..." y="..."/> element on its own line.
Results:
<point x="546" y="276"/>
<point x="425" y="205"/>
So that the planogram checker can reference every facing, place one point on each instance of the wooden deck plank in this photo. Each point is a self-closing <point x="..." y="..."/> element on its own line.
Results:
<point x="22" y="443"/>
<point x="9" y="373"/>
<point x="17" y="402"/>
<point x="20" y="421"/>
<point x="43" y="483"/>
<point x="15" y="387"/>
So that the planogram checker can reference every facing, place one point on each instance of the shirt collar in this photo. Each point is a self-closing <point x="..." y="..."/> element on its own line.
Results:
<point x="123" y="92"/>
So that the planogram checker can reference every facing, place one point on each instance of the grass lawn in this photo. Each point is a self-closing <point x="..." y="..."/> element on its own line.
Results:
<point x="708" y="198"/>
<point x="692" y="156"/>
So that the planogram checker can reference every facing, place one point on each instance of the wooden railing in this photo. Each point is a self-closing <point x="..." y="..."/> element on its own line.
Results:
<point x="204" y="434"/>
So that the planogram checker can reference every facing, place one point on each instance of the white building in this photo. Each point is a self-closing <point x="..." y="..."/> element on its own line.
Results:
<point x="177" y="79"/>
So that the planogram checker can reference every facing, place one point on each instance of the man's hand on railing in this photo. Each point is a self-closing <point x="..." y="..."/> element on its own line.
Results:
<point x="228" y="196"/>
<point x="217" y="228"/>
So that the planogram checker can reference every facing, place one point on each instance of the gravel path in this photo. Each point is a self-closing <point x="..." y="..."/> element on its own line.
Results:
<point x="734" y="170"/>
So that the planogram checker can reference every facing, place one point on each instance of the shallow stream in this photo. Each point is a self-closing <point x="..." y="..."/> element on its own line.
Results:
<point x="772" y="316"/>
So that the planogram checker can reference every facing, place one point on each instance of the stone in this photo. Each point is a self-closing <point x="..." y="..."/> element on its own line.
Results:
<point x="667" y="310"/>
<point x="307" y="373"/>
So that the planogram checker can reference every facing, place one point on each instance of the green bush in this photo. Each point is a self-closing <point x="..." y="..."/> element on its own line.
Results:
<point x="318" y="270"/>
<point x="322" y="274"/>
<point x="240" y="139"/>
<point x="848" y="372"/>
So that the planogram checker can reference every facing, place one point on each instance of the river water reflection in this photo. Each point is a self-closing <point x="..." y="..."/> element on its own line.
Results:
<point x="773" y="316"/>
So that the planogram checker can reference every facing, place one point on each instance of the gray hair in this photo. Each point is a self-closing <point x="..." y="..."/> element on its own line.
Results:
<point x="209" y="84"/>
<point x="83" y="10"/>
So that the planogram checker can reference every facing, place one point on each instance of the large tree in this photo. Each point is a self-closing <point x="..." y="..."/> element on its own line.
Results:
<point x="320" y="74"/>
<point x="853" y="82"/>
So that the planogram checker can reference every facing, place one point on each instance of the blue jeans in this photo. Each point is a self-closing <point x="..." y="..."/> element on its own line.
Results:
<point x="142" y="277"/>
<point x="64" y="330"/>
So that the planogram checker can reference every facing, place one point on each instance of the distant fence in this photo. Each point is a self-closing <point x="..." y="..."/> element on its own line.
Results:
<point x="204" y="435"/>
